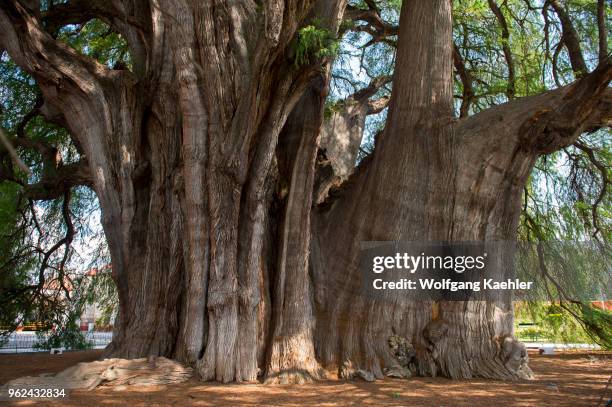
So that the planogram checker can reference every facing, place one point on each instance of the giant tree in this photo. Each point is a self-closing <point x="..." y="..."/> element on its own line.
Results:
<point x="231" y="205"/>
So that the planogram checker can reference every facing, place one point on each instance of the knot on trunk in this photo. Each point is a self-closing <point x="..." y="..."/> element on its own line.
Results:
<point x="546" y="132"/>
<point x="349" y="372"/>
<point x="404" y="354"/>
<point x="514" y="356"/>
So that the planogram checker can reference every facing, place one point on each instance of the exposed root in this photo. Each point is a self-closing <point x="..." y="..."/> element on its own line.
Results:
<point x="502" y="358"/>
<point x="112" y="373"/>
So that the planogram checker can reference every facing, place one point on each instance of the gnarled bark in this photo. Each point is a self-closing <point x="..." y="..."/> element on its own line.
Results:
<point x="204" y="162"/>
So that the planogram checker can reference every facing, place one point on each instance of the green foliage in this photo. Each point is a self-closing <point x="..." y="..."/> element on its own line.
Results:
<point x="533" y="334"/>
<point x="63" y="331"/>
<point x="332" y="107"/>
<point x="598" y="324"/>
<point x="29" y="229"/>
<point x="569" y="323"/>
<point x="314" y="42"/>
<point x="97" y="40"/>
<point x="571" y="275"/>
<point x="396" y="395"/>
<point x="552" y="324"/>
<point x="100" y="290"/>
<point x="13" y="263"/>
<point x="67" y="335"/>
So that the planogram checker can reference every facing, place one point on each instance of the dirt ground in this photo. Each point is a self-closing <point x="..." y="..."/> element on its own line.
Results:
<point x="571" y="379"/>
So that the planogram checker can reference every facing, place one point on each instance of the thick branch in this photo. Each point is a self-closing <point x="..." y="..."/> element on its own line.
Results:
<point x="379" y="29"/>
<point x="81" y="11"/>
<point x="342" y="133"/>
<point x="555" y="119"/>
<point x="362" y="96"/>
<point x="603" y="30"/>
<point x="571" y="40"/>
<point x="48" y="153"/>
<point x="56" y="178"/>
<point x="424" y="87"/>
<point x="130" y="19"/>
<point x="378" y="105"/>
<point x="552" y="128"/>
<point x="86" y="92"/>
<point x="73" y="12"/>
<point x="602" y="114"/>
<point x="372" y="17"/>
<point x="371" y="89"/>
<point x="65" y="178"/>
<point x="48" y="60"/>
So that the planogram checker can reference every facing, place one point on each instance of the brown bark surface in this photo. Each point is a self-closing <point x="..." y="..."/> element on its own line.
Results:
<point x="233" y="249"/>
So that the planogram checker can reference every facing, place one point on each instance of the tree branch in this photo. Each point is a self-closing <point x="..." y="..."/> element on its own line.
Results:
<point x="29" y="116"/>
<point x="603" y="171"/>
<point x="83" y="90"/>
<point x="555" y="119"/>
<point x="603" y="30"/>
<point x="14" y="156"/>
<point x="130" y="19"/>
<point x="466" y="81"/>
<point x="363" y="96"/>
<point x="81" y="11"/>
<point x="56" y="178"/>
<point x="602" y="115"/>
<point x="375" y="26"/>
<point x="378" y="105"/>
<point x="48" y="60"/>
<point x="510" y="90"/>
<point x="372" y="88"/>
<point x="65" y="178"/>
<point x="552" y="128"/>
<point x="65" y="241"/>
<point x="571" y="40"/>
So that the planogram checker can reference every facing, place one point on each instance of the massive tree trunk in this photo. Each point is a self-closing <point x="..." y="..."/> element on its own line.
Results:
<point x="425" y="182"/>
<point x="225" y="253"/>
